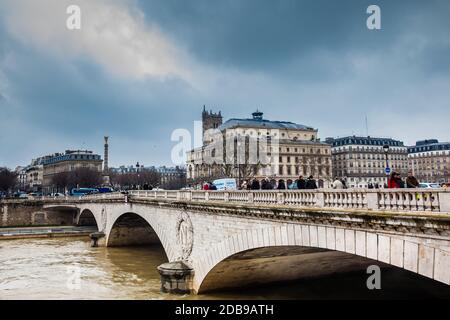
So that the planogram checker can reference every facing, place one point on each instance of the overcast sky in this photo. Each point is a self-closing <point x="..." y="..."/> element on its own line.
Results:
<point x="137" y="70"/>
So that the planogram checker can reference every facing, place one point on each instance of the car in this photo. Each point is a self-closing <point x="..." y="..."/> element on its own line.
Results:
<point x="35" y="194"/>
<point x="428" y="185"/>
<point x="57" y="194"/>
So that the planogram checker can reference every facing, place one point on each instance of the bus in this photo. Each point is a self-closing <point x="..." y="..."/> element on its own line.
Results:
<point x="82" y="191"/>
<point x="105" y="190"/>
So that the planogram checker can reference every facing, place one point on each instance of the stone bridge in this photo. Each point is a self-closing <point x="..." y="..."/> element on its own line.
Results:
<point x="216" y="240"/>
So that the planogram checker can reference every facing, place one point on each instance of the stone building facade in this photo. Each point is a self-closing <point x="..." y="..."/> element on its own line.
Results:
<point x="70" y="161"/>
<point x="362" y="160"/>
<point x="429" y="161"/>
<point x="289" y="149"/>
<point x="40" y="173"/>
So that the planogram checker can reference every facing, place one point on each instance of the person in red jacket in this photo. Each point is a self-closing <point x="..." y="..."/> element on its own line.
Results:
<point x="395" y="181"/>
<point x="206" y="186"/>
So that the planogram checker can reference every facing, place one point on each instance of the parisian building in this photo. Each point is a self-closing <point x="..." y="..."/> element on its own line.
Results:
<point x="41" y="171"/>
<point x="429" y="161"/>
<point x="70" y="161"/>
<point x="292" y="150"/>
<point x="21" y="177"/>
<point x="362" y="161"/>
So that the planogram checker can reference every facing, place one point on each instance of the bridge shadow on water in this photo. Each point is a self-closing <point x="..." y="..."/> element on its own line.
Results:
<point x="395" y="284"/>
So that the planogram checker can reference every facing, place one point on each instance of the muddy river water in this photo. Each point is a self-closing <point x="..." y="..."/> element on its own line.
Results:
<point x="68" y="268"/>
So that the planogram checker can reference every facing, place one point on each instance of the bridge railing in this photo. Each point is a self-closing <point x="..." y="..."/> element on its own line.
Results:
<point x="436" y="200"/>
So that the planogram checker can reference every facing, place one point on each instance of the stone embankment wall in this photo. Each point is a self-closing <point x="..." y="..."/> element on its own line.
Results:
<point x="19" y="213"/>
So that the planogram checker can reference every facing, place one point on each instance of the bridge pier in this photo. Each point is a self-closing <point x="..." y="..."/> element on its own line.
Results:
<point x="176" y="277"/>
<point x="98" y="239"/>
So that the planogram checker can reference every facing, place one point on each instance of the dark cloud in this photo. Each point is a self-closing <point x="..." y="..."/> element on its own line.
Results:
<point x="312" y="62"/>
<point x="268" y="35"/>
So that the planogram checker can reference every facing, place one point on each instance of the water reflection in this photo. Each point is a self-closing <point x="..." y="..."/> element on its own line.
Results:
<point x="40" y="269"/>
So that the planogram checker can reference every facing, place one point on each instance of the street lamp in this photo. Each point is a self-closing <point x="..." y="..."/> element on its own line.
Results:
<point x="386" y="152"/>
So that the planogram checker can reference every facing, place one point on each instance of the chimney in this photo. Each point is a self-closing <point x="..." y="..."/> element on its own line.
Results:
<point x="105" y="156"/>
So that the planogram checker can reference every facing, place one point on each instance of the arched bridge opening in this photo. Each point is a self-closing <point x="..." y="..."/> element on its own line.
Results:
<point x="278" y="264"/>
<point x="87" y="219"/>
<point x="131" y="229"/>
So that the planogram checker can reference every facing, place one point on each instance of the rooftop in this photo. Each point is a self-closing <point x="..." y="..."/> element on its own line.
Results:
<point x="258" y="122"/>
<point x="370" y="141"/>
<point x="429" y="145"/>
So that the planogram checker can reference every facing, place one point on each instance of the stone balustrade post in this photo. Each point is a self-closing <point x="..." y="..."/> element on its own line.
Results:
<point x="250" y="197"/>
<point x="444" y="201"/>
<point x="226" y="196"/>
<point x="372" y="200"/>
<point x="280" y="197"/>
<point x="320" y="199"/>
<point x="206" y="196"/>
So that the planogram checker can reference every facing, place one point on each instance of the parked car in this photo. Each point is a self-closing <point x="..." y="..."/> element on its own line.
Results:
<point x="57" y="194"/>
<point x="427" y="185"/>
<point x="35" y="194"/>
<point x="21" y="195"/>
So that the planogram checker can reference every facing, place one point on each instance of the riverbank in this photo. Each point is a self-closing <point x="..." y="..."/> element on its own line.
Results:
<point x="44" y="232"/>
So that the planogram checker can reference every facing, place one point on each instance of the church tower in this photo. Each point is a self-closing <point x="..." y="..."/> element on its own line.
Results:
<point x="210" y="120"/>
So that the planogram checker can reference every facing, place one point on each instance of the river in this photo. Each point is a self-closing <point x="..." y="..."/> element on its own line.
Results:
<point x="45" y="269"/>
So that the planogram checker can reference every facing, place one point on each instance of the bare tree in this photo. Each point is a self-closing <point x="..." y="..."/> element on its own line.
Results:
<point x="8" y="180"/>
<point x="85" y="178"/>
<point x="147" y="178"/>
<point x="61" y="180"/>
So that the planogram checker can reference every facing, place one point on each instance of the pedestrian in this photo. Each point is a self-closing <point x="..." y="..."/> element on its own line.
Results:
<point x="206" y="186"/>
<point x="337" y="184"/>
<point x="281" y="185"/>
<point x="311" y="183"/>
<point x="266" y="185"/>
<point x="255" y="185"/>
<point x="395" y="181"/>
<point x="411" y="181"/>
<point x="370" y="185"/>
<point x="244" y="185"/>
<point x="301" y="183"/>
<point x="212" y="186"/>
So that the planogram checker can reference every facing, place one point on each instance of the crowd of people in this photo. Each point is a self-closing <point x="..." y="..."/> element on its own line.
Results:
<point x="266" y="184"/>
<point x="395" y="181"/>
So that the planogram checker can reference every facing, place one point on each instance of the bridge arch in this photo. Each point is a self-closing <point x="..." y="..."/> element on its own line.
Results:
<point x="131" y="228"/>
<point x="86" y="217"/>
<point x="272" y="245"/>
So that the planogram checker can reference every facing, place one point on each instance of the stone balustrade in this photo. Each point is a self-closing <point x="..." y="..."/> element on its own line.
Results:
<point x="435" y="200"/>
